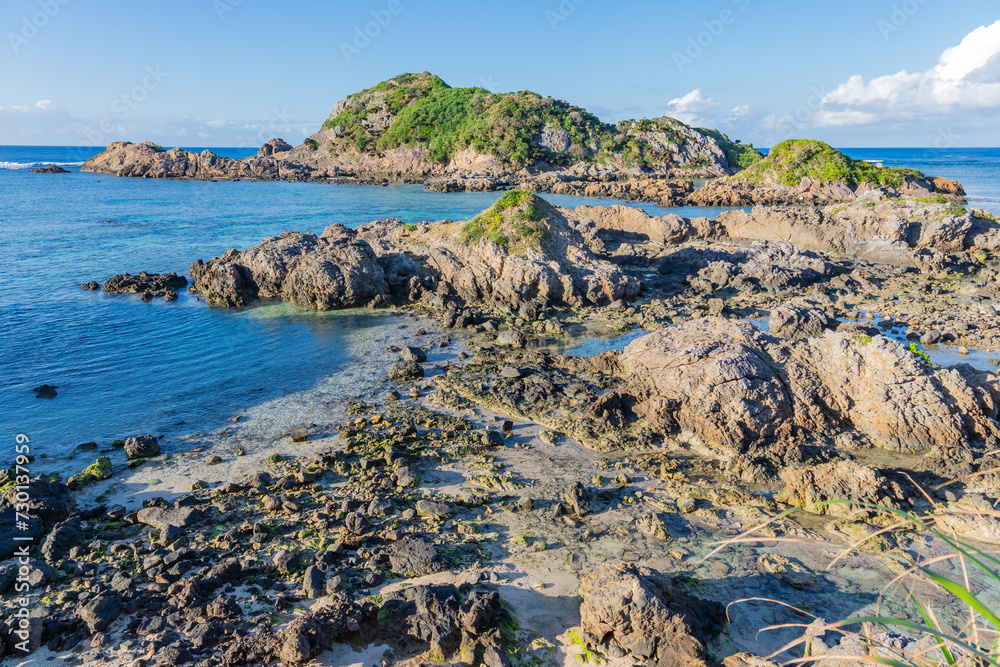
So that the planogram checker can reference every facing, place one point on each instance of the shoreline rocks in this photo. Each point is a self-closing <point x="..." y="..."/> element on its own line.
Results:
<point x="632" y="611"/>
<point x="146" y="285"/>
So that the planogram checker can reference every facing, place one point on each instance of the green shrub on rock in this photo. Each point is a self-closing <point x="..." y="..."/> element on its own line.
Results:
<point x="791" y="161"/>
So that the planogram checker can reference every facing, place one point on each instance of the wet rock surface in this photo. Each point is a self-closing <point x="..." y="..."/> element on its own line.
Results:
<point x="51" y="169"/>
<point x="147" y="285"/>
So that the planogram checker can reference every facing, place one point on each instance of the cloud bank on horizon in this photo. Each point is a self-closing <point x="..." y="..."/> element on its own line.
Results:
<point x="961" y="89"/>
<point x="966" y="80"/>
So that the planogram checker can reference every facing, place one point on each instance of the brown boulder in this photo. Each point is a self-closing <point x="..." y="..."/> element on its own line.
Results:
<point x="316" y="272"/>
<point x="800" y="318"/>
<point x="730" y="385"/>
<point x="274" y="146"/>
<point x="946" y="186"/>
<point x="643" y="613"/>
<point x="147" y="160"/>
<point x="386" y="260"/>
<point x="839" y="481"/>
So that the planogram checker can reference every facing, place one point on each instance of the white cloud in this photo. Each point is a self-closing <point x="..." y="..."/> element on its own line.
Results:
<point x="966" y="78"/>
<point x="691" y="108"/>
<point x="740" y="113"/>
<point x="844" y="118"/>
<point x="38" y="107"/>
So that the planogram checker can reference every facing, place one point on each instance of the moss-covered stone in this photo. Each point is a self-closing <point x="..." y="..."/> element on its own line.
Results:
<point x="101" y="469"/>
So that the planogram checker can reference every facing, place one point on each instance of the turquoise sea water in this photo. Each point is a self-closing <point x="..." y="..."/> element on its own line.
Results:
<point x="124" y="367"/>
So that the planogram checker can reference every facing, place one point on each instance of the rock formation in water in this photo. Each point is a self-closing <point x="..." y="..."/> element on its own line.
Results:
<point x="415" y="128"/>
<point x="519" y="256"/>
<point x="808" y="172"/>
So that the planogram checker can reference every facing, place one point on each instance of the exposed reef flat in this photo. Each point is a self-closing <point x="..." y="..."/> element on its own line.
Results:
<point x="493" y="500"/>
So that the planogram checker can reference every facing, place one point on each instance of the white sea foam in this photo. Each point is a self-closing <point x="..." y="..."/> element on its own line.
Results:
<point x="32" y="165"/>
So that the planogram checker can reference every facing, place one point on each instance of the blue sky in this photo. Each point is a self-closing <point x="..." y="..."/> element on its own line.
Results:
<point x="237" y="72"/>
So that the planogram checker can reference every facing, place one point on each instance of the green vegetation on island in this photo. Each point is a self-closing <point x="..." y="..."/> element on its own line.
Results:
<point x="737" y="153"/>
<point x="791" y="161"/>
<point x="519" y="128"/>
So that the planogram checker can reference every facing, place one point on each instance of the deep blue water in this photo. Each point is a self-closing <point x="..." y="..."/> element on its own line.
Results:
<point x="123" y="367"/>
<point x="978" y="169"/>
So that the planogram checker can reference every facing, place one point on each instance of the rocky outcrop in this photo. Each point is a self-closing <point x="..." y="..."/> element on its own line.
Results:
<point x="51" y="169"/>
<point x="627" y="224"/>
<point x="47" y="504"/>
<point x="904" y="232"/>
<point x="508" y="268"/>
<point x="726" y="192"/>
<point x="633" y="611"/>
<point x="657" y="190"/>
<point x="432" y="620"/>
<point x="837" y="488"/>
<point x="763" y="265"/>
<point x="273" y="147"/>
<point x="304" y="638"/>
<point x="335" y="270"/>
<point x="509" y="139"/>
<point x="148" y="285"/>
<point x="49" y="501"/>
<point x="811" y="172"/>
<point x="147" y="160"/>
<point x="801" y="317"/>
<point x="729" y="385"/>
<point x="972" y="517"/>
